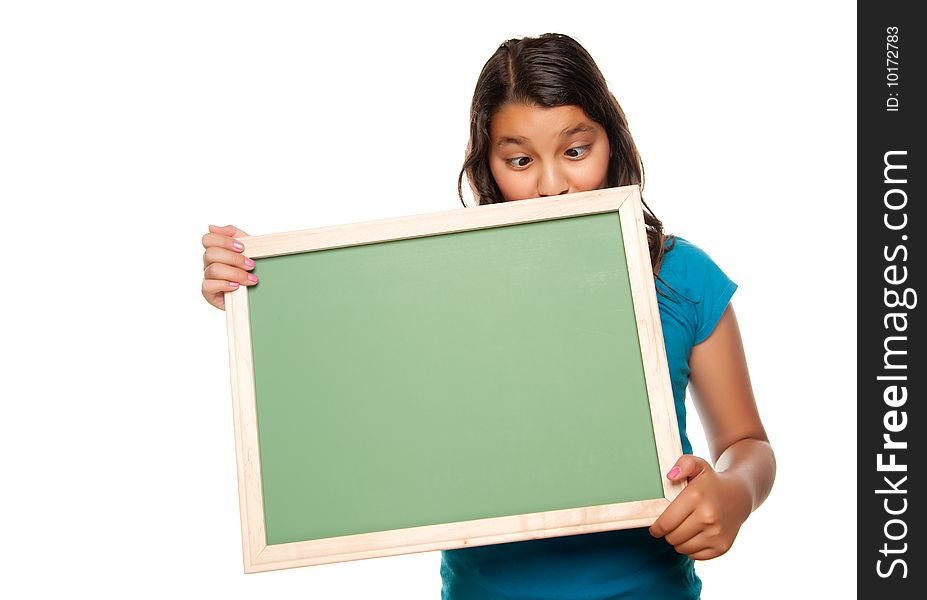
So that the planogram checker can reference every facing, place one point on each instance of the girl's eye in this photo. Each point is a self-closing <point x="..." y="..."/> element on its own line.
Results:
<point x="519" y="161"/>
<point x="577" y="151"/>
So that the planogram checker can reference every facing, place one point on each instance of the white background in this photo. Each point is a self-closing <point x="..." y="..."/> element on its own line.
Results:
<point x="127" y="127"/>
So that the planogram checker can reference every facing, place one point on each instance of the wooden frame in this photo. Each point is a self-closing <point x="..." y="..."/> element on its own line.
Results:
<point x="259" y="556"/>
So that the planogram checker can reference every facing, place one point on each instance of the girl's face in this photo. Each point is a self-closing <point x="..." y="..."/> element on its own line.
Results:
<point x="540" y="151"/>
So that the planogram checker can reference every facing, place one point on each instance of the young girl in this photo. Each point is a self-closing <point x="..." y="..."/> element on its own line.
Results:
<point x="544" y="123"/>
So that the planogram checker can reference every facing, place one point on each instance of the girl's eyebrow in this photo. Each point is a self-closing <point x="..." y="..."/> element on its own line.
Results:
<point x="581" y="128"/>
<point x="511" y="140"/>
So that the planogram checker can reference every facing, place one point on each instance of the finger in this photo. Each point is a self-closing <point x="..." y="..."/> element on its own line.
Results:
<point x="689" y="529"/>
<point x="218" y="240"/>
<point x="708" y="553"/>
<point x="229" y="273"/>
<point x="705" y="546"/>
<point x="214" y="291"/>
<point x="676" y="513"/>
<point x="217" y="286"/>
<point x="228" y="257"/>
<point x="695" y="545"/>
<point x="687" y="466"/>
<point x="229" y="230"/>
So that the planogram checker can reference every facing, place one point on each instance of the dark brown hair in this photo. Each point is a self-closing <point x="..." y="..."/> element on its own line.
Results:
<point x="552" y="70"/>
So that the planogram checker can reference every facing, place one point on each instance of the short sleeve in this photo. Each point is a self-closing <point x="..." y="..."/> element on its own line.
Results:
<point x="716" y="291"/>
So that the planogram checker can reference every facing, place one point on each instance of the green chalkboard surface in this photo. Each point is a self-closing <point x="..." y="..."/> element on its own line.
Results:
<point x="446" y="379"/>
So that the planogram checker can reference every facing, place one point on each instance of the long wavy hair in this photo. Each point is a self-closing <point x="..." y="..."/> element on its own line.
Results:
<point x="552" y="70"/>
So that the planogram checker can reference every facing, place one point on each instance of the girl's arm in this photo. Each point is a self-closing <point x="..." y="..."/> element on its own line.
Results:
<point x="724" y="400"/>
<point x="705" y="518"/>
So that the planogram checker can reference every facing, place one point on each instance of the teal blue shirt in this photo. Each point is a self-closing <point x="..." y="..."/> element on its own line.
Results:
<point x="613" y="564"/>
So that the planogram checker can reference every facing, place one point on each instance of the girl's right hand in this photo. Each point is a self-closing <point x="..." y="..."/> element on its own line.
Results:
<point x="224" y="267"/>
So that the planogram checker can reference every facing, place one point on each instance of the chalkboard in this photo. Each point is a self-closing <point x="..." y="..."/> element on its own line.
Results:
<point x="467" y="377"/>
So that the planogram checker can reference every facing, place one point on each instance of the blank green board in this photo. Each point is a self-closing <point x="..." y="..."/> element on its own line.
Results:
<point x="449" y="378"/>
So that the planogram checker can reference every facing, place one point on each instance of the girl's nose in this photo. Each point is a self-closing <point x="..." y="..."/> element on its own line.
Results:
<point x="552" y="183"/>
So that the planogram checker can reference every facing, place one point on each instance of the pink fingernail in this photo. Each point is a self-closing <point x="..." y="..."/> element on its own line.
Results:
<point x="249" y="262"/>
<point x="233" y="284"/>
<point x="252" y="277"/>
<point x="238" y="245"/>
<point x="674" y="472"/>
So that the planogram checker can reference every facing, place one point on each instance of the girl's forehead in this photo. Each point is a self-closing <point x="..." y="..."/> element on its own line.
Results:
<point x="513" y="121"/>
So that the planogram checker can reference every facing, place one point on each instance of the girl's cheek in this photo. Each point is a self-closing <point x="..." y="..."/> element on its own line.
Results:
<point x="520" y="190"/>
<point x="511" y="185"/>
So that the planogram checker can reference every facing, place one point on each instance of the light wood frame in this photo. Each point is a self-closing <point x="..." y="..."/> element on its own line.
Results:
<point x="259" y="556"/>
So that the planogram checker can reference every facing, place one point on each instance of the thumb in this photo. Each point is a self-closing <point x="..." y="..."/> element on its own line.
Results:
<point x="229" y="230"/>
<point x="687" y="467"/>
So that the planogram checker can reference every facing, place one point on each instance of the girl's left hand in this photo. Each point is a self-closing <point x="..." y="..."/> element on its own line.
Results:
<point x="705" y="517"/>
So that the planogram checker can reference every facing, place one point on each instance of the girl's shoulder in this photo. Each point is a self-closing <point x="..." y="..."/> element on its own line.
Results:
<point x="683" y="259"/>
<point x="693" y="285"/>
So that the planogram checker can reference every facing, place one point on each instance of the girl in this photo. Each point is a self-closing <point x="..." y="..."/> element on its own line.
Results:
<point x="544" y="123"/>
